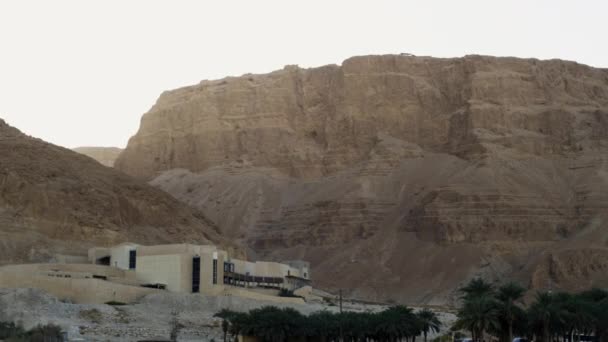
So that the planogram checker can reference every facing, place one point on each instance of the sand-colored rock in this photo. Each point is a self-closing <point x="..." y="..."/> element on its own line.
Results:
<point x="54" y="200"/>
<point x="105" y="155"/>
<point x="399" y="177"/>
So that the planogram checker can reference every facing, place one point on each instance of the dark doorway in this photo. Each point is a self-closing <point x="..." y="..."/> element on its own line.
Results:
<point x="132" y="259"/>
<point x="196" y="274"/>
<point x="103" y="261"/>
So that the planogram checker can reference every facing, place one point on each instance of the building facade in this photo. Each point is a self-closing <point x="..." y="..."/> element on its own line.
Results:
<point x="202" y="269"/>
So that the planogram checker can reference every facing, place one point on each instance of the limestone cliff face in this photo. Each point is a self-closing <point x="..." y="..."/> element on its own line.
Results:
<point x="314" y="122"/>
<point x="105" y="155"/>
<point x="53" y="200"/>
<point x="391" y="170"/>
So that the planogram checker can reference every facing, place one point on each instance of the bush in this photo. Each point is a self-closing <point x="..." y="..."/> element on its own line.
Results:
<point x="45" y="333"/>
<point x="115" y="303"/>
<point x="42" y="333"/>
<point x="10" y="330"/>
<point x="287" y="293"/>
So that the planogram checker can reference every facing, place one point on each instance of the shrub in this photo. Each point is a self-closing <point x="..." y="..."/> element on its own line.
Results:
<point x="287" y="293"/>
<point x="42" y="333"/>
<point x="10" y="330"/>
<point x="45" y="333"/>
<point x="115" y="303"/>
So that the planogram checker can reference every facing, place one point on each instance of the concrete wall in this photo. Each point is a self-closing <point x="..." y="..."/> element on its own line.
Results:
<point x="171" y="265"/>
<point x="241" y="292"/>
<point x="70" y="259"/>
<point x="98" y="270"/>
<point x="175" y="249"/>
<point x="173" y="270"/>
<point x="302" y="266"/>
<point x="243" y="266"/>
<point x="97" y="253"/>
<point x="120" y="255"/>
<point x="207" y="285"/>
<point x="77" y="288"/>
<point x="305" y="291"/>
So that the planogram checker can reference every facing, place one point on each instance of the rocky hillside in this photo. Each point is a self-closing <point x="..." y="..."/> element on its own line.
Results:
<point x="399" y="177"/>
<point x="104" y="155"/>
<point x="53" y="200"/>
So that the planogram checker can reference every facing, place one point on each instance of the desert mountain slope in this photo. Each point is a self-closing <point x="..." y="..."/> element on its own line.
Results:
<point x="54" y="200"/>
<point x="399" y="177"/>
<point x="104" y="155"/>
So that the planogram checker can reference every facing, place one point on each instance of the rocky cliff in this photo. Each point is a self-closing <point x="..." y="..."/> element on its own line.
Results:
<point x="53" y="200"/>
<point x="105" y="155"/>
<point x="399" y="177"/>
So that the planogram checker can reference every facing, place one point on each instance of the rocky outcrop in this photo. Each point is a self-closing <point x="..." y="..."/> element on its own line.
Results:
<point x="105" y="155"/>
<point x="54" y="200"/>
<point x="390" y="171"/>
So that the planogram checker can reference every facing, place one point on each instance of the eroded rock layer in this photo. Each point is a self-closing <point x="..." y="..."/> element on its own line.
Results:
<point x="398" y="176"/>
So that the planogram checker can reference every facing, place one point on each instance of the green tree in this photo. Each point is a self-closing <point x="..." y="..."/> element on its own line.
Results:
<point x="44" y="333"/>
<point x="233" y="322"/>
<point x="476" y="288"/>
<point x="429" y="322"/>
<point x="10" y="329"/>
<point x="225" y="314"/>
<point x="508" y="295"/>
<point x="546" y="315"/>
<point x="478" y="315"/>
<point x="322" y="326"/>
<point x="397" y="322"/>
<point x="272" y="324"/>
<point x="597" y="300"/>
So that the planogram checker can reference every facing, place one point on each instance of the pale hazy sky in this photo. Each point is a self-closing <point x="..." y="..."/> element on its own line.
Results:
<point x="83" y="72"/>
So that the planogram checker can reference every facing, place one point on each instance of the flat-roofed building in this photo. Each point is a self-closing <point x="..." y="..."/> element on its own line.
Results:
<point x="203" y="269"/>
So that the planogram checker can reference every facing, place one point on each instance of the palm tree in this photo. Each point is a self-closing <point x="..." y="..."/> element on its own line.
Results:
<point x="429" y="322"/>
<point x="509" y="294"/>
<point x="272" y="324"/>
<point x="225" y="315"/>
<point x="600" y="311"/>
<point x="478" y="315"/>
<point x="597" y="301"/>
<point x="477" y="288"/>
<point x="322" y="326"/>
<point x="396" y="323"/>
<point x="548" y="312"/>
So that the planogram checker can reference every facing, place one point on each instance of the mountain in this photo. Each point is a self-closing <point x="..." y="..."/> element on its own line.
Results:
<point x="105" y="155"/>
<point x="398" y="177"/>
<point x="54" y="200"/>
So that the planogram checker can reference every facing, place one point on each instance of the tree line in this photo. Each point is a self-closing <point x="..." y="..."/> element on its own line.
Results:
<point x="550" y="316"/>
<point x="272" y="324"/>
<point x="486" y="312"/>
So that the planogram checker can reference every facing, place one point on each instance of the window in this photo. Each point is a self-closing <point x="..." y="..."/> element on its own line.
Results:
<point x="132" y="259"/>
<point x="228" y="267"/>
<point x="196" y="274"/>
<point x="215" y="271"/>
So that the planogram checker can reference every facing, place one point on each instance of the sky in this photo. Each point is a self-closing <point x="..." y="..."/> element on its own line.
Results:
<point x="83" y="72"/>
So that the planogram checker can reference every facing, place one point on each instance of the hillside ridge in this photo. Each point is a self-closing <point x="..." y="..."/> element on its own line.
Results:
<point x="392" y="170"/>
<point x="56" y="201"/>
